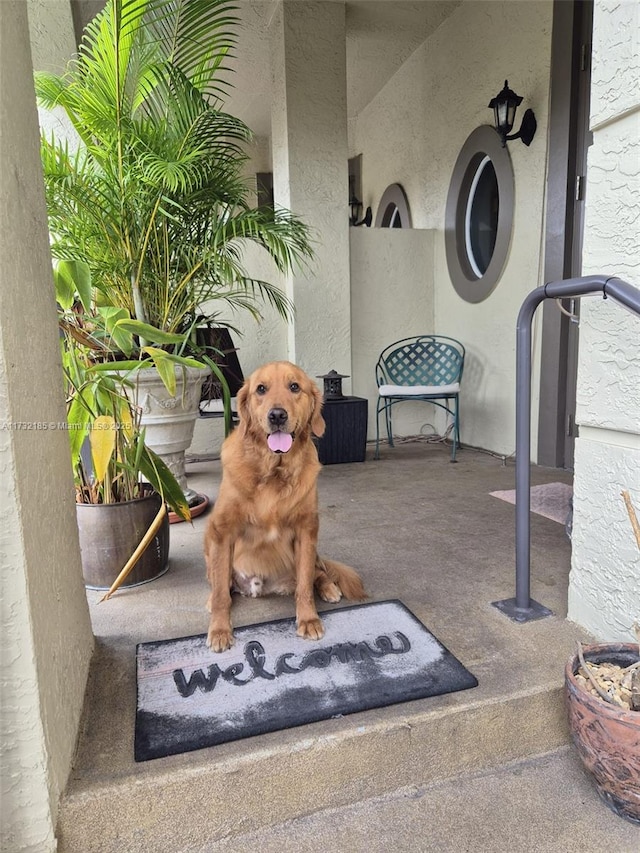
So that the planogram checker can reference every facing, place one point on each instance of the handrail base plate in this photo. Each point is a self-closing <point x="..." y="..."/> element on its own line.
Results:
<point x="522" y="614"/>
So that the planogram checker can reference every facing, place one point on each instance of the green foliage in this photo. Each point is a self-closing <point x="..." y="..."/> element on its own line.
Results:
<point x="108" y="451"/>
<point x="99" y="410"/>
<point x="154" y="199"/>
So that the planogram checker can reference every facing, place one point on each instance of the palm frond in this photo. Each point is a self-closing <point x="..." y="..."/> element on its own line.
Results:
<point x="196" y="36"/>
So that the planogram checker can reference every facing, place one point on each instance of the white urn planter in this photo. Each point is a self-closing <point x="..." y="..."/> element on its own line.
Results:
<point x="169" y="421"/>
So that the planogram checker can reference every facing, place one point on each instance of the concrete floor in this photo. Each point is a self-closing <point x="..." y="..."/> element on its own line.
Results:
<point x="418" y="529"/>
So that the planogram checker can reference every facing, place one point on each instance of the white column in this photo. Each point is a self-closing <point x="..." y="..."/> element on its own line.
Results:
<point x="309" y="139"/>
<point x="46" y="641"/>
<point x="51" y="34"/>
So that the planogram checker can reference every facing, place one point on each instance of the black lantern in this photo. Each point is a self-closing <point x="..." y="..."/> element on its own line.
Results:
<point x="355" y="206"/>
<point x="333" y="385"/>
<point x="504" y="108"/>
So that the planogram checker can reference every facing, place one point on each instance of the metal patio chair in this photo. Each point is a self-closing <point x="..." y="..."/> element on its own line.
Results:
<point x="422" y="367"/>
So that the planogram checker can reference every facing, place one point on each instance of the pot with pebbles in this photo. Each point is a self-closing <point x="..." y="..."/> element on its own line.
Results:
<point x="602" y="684"/>
<point x="603" y="704"/>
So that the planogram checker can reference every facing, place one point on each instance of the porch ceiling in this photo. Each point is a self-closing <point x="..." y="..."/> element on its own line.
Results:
<point x="381" y="35"/>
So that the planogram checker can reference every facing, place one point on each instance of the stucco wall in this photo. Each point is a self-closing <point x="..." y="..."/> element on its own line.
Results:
<point x="412" y="132"/>
<point x="46" y="634"/>
<point x="390" y="269"/>
<point x="604" y="591"/>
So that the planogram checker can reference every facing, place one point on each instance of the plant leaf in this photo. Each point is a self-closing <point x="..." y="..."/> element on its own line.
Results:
<point x="119" y="336"/>
<point x="164" y="365"/>
<point x="182" y="360"/>
<point x="125" y="418"/>
<point x="149" y="333"/>
<point x="65" y="291"/>
<point x="124" y="366"/>
<point x="158" y="474"/>
<point x="103" y="441"/>
<point x="74" y="277"/>
<point x="78" y="420"/>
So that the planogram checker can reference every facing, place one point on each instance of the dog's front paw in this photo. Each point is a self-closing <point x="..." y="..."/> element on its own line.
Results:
<point x="310" y="629"/>
<point x="220" y="639"/>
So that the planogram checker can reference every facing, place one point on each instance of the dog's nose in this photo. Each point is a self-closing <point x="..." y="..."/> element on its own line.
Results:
<point x="278" y="417"/>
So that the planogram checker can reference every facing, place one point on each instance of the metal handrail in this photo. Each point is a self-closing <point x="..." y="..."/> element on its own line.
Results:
<point x="523" y="608"/>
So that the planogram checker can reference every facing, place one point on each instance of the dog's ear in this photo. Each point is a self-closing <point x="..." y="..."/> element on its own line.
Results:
<point x="317" y="421"/>
<point x="242" y="403"/>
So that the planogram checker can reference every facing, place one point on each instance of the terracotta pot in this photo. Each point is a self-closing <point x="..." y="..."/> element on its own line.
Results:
<point x="110" y="533"/>
<point x="607" y="737"/>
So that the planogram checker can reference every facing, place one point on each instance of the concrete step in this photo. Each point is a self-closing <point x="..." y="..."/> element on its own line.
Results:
<point x="546" y="804"/>
<point x="185" y="802"/>
<point x="340" y="790"/>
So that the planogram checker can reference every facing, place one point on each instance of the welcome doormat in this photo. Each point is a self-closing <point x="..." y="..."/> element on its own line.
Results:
<point x="552" y="500"/>
<point x="371" y="655"/>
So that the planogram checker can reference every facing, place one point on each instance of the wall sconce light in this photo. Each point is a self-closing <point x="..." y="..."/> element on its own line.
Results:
<point x="355" y="206"/>
<point x="504" y="108"/>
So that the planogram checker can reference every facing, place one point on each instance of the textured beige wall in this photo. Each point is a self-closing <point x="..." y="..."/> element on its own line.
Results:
<point x="604" y="591"/>
<point x="46" y="634"/>
<point x="412" y="132"/>
<point x="390" y="269"/>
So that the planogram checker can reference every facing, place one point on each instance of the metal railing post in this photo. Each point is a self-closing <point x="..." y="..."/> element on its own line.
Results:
<point x="523" y="608"/>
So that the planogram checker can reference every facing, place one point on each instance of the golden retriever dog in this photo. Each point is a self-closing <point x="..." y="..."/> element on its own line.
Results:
<point x="262" y="535"/>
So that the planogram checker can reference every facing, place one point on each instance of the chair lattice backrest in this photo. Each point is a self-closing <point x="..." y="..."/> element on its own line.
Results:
<point x="423" y="360"/>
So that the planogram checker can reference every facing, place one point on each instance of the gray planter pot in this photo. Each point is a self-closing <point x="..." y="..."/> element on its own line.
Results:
<point x="110" y="533"/>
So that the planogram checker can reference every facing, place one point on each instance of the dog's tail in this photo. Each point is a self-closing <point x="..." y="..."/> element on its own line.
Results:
<point x="346" y="578"/>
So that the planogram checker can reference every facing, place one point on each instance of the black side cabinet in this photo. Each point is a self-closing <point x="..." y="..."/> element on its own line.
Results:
<point x="345" y="438"/>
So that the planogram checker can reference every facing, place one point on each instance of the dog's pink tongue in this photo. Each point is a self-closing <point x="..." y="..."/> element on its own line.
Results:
<point x="279" y="442"/>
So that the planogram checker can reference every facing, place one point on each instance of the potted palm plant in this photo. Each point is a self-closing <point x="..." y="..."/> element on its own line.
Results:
<point x="122" y="487"/>
<point x="153" y="196"/>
